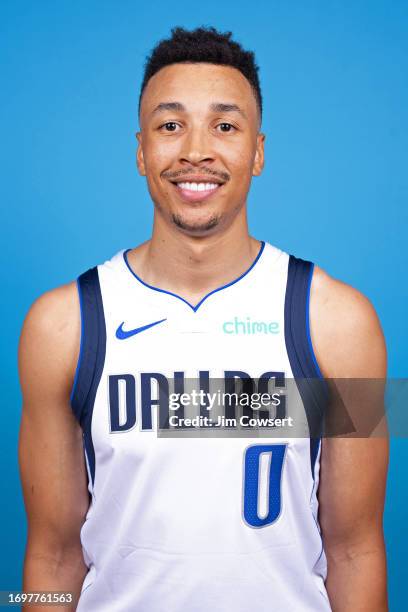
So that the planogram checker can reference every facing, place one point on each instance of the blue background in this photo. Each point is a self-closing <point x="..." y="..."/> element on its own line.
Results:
<point x="334" y="190"/>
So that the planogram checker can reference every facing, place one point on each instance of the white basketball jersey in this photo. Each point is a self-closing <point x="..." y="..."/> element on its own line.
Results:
<point x="181" y="521"/>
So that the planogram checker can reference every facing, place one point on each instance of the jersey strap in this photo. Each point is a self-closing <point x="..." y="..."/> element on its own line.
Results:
<point x="91" y="357"/>
<point x="309" y="379"/>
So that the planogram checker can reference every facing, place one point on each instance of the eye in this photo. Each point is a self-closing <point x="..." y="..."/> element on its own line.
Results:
<point x="170" y="126"/>
<point x="226" y="127"/>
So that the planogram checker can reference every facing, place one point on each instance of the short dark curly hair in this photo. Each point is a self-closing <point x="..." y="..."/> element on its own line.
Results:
<point x="204" y="44"/>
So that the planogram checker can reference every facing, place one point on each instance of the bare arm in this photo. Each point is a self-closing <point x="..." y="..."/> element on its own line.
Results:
<point x="349" y="344"/>
<point x="52" y="467"/>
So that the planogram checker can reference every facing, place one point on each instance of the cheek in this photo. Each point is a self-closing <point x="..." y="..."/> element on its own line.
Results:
<point x="158" y="157"/>
<point x="156" y="162"/>
<point x="241" y="169"/>
<point x="239" y="157"/>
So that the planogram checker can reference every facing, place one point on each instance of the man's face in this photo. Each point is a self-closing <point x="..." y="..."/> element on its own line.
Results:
<point x="199" y="144"/>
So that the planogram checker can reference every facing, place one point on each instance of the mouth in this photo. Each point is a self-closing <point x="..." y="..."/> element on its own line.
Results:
<point x="196" y="189"/>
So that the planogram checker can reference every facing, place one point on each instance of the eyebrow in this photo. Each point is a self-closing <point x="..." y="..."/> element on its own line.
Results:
<point x="169" y="106"/>
<point x="221" y="107"/>
<point x="216" y="107"/>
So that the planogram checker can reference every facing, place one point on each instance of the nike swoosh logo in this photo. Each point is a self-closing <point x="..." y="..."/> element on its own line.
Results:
<point x="122" y="334"/>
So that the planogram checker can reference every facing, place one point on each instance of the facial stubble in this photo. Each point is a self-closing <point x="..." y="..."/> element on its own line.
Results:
<point x="196" y="228"/>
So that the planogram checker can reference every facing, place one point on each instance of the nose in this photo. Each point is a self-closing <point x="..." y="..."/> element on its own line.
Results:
<point x="196" y="147"/>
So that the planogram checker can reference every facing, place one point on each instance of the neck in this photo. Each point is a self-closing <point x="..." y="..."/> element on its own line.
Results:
<point x="193" y="266"/>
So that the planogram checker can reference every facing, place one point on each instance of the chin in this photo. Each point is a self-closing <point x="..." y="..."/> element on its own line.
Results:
<point x="196" y="227"/>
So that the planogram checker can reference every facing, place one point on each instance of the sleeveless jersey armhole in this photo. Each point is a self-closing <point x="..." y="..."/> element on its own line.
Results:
<point x="309" y="379"/>
<point x="309" y="337"/>
<point x="91" y="358"/>
<point x="73" y="399"/>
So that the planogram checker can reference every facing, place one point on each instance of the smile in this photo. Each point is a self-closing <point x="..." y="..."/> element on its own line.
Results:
<point x="192" y="191"/>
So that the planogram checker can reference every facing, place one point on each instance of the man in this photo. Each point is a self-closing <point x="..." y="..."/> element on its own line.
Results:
<point x="141" y="522"/>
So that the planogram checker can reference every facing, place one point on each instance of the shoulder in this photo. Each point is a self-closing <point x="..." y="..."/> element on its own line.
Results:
<point x="345" y="330"/>
<point x="50" y="336"/>
<point x="53" y="312"/>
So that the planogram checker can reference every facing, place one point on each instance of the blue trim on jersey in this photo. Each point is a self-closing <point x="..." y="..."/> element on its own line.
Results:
<point x="93" y="339"/>
<point x="300" y="351"/>
<point x="309" y="338"/>
<point x="314" y="451"/>
<point x="197" y="306"/>
<point x="80" y="346"/>
<point x="310" y="501"/>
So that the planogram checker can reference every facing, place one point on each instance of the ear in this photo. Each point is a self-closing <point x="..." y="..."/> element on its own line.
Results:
<point x="259" y="155"/>
<point x="139" y="155"/>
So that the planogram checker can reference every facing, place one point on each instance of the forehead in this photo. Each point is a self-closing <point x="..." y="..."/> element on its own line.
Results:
<point x="196" y="86"/>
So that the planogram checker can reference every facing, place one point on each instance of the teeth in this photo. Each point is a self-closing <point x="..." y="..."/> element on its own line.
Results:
<point x="197" y="186"/>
